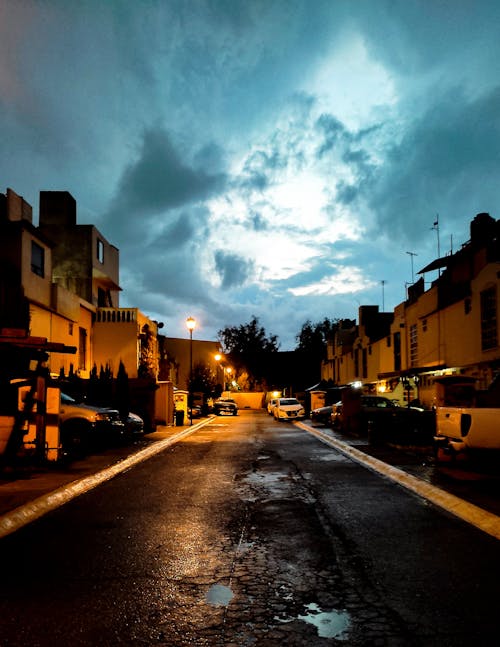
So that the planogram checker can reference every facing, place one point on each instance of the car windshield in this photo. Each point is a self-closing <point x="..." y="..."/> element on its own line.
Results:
<point x="66" y="399"/>
<point x="380" y="403"/>
<point x="286" y="401"/>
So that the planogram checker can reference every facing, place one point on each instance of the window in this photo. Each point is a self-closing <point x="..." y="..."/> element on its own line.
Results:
<point x="397" y="351"/>
<point x="100" y="250"/>
<point x="70" y="328"/>
<point x="489" y="319"/>
<point x="413" y="345"/>
<point x="82" y="349"/>
<point x="37" y="259"/>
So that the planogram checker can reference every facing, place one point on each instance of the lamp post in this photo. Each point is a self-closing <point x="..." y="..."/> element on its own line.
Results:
<point x="218" y="358"/>
<point x="191" y="324"/>
<point x="228" y="370"/>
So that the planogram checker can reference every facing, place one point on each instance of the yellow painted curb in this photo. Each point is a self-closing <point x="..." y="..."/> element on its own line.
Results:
<point x="472" y="514"/>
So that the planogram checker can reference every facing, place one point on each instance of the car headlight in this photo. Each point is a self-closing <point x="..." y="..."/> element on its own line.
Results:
<point x="103" y="417"/>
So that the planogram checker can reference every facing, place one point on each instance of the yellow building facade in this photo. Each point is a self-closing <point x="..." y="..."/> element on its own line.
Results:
<point x="452" y="328"/>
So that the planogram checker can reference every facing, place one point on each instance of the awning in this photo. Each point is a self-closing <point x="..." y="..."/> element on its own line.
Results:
<point x="436" y="264"/>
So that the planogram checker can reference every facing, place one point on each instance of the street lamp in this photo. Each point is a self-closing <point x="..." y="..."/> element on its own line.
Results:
<point x="191" y="324"/>
<point x="228" y="370"/>
<point x="218" y="358"/>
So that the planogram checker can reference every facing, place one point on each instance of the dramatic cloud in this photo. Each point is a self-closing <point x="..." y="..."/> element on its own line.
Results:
<point x="277" y="159"/>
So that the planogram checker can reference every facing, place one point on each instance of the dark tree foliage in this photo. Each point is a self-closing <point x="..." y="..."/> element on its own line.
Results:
<point x="250" y="350"/>
<point x="122" y="392"/>
<point x="311" y="347"/>
<point x="313" y="337"/>
<point x="202" y="380"/>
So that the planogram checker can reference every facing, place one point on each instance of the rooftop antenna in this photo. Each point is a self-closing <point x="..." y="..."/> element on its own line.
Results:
<point x="412" y="254"/>
<point x="383" y="301"/>
<point x="435" y="226"/>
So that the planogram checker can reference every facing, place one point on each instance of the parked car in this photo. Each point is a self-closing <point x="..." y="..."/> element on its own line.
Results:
<point x="383" y="419"/>
<point x="288" y="409"/>
<point x="82" y="425"/>
<point x="134" y="425"/>
<point x="322" y="415"/>
<point x="270" y="405"/>
<point x="225" y="405"/>
<point x="196" y="411"/>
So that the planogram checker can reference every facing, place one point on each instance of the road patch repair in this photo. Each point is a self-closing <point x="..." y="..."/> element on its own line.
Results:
<point x="472" y="514"/>
<point x="28" y="512"/>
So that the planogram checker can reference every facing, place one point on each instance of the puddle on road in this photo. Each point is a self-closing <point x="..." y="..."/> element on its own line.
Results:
<point x="330" y="624"/>
<point x="219" y="595"/>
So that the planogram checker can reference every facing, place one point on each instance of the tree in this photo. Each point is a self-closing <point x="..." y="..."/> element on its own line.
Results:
<point x="313" y="338"/>
<point x="249" y="350"/>
<point x="202" y="380"/>
<point x="122" y="392"/>
<point x="311" y="347"/>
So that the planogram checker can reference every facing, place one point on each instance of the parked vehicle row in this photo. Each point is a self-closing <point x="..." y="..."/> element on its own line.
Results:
<point x="83" y="425"/>
<point x="379" y="417"/>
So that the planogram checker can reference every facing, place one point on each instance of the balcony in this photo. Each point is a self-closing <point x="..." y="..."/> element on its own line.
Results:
<point x="116" y="315"/>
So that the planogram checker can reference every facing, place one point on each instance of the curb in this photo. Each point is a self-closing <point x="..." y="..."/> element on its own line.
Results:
<point x="472" y="514"/>
<point x="28" y="512"/>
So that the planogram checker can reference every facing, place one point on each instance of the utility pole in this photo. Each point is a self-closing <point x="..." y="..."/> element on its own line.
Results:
<point x="383" y="299"/>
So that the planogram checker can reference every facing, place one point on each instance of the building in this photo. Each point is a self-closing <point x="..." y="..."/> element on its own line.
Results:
<point x="29" y="300"/>
<point x="178" y="351"/>
<point x="60" y="281"/>
<point x="450" y="328"/>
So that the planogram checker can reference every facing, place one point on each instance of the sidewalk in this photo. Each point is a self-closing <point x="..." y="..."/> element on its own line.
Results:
<point x="31" y="488"/>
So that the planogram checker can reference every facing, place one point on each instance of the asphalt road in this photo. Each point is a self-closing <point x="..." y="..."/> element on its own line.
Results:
<point x="249" y="532"/>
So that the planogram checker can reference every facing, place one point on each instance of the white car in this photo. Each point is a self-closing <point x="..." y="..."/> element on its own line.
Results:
<point x="270" y="406"/>
<point x="288" y="409"/>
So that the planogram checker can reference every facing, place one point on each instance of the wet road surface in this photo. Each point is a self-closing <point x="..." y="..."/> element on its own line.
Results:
<point x="249" y="532"/>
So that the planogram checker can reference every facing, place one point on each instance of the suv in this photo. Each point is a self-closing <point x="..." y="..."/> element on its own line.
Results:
<point x="225" y="405"/>
<point x="81" y="424"/>
<point x="382" y="419"/>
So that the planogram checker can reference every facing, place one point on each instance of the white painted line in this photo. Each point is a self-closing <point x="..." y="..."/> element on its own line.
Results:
<point x="473" y="514"/>
<point x="24" y="514"/>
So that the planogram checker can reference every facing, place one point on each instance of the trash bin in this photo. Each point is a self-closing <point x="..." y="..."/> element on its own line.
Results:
<point x="179" y="418"/>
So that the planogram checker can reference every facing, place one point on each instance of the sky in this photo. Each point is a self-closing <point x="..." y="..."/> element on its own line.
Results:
<point x="283" y="159"/>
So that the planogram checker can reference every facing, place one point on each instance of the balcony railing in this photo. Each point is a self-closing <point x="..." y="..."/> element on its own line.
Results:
<point x="116" y="315"/>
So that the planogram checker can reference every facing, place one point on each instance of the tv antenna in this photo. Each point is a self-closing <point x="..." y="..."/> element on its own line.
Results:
<point x="412" y="254"/>
<point x="435" y="226"/>
<point x="383" y="282"/>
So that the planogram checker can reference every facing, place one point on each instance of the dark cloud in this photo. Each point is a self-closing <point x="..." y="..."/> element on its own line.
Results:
<point x="259" y="223"/>
<point x="160" y="180"/>
<point x="332" y="132"/>
<point x="233" y="269"/>
<point x="446" y="163"/>
<point x="346" y="193"/>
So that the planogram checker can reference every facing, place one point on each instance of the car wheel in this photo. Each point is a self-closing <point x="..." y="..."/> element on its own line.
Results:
<point x="75" y="439"/>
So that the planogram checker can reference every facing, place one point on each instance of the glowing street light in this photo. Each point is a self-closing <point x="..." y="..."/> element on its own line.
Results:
<point x="218" y="358"/>
<point x="228" y="370"/>
<point x="191" y="324"/>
